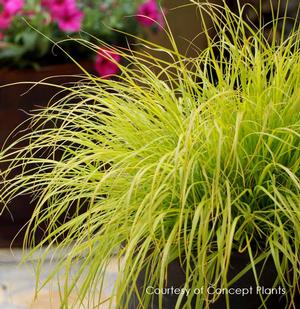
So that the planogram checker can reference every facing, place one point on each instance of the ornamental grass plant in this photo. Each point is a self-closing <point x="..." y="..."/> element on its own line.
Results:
<point x="170" y="163"/>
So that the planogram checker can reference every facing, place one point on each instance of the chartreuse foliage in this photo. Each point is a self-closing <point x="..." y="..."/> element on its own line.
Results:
<point x="170" y="162"/>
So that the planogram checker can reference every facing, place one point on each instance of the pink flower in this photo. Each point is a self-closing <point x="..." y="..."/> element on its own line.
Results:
<point x="65" y="13"/>
<point x="149" y="14"/>
<point x="12" y="7"/>
<point x="1" y="36"/>
<point x="106" y="63"/>
<point x="69" y="19"/>
<point x="5" y="20"/>
<point x="57" y="6"/>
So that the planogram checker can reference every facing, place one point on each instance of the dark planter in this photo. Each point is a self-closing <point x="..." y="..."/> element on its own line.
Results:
<point x="15" y="104"/>
<point x="250" y="299"/>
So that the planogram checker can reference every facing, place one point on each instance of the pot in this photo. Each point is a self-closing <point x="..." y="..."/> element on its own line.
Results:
<point x="244" y="293"/>
<point x="16" y="102"/>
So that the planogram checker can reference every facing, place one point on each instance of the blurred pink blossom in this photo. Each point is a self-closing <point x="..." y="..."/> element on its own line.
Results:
<point x="12" y="7"/>
<point x="56" y="6"/>
<point x="9" y="9"/>
<point x="106" y="63"/>
<point x="5" y="20"/>
<point x="65" y="13"/>
<point x="69" y="19"/>
<point x="149" y="14"/>
<point x="1" y="36"/>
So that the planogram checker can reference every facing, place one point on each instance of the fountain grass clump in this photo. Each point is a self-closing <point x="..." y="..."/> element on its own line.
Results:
<point x="171" y="164"/>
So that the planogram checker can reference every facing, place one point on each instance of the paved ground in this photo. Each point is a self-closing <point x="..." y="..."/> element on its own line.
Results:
<point x="17" y="284"/>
